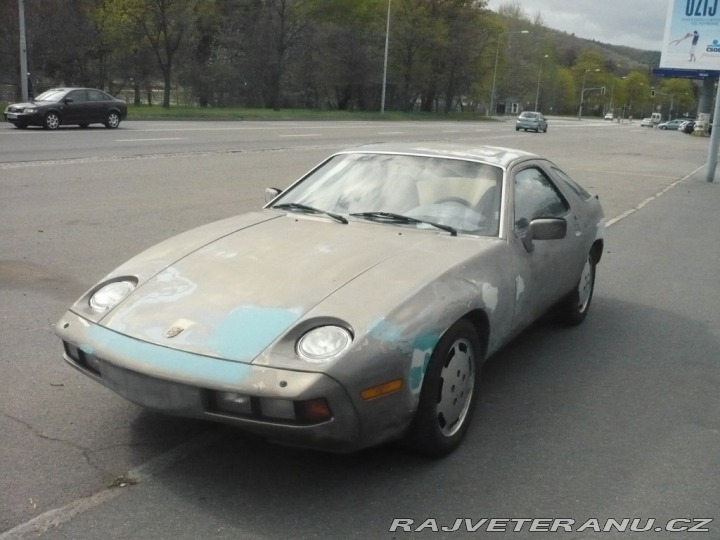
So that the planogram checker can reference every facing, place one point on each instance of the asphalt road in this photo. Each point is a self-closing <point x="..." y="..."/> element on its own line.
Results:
<point x="615" y="419"/>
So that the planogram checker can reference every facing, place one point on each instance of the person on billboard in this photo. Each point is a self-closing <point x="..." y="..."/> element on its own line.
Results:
<point x="695" y="38"/>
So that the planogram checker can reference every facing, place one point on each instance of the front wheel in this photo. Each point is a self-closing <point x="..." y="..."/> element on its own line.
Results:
<point x="574" y="308"/>
<point x="113" y="120"/>
<point x="52" y="121"/>
<point x="449" y="392"/>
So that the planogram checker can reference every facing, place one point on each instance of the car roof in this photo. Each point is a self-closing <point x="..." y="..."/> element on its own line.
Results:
<point x="492" y="155"/>
<point x="68" y="88"/>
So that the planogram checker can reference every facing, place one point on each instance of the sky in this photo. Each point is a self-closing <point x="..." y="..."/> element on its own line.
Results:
<point x="633" y="23"/>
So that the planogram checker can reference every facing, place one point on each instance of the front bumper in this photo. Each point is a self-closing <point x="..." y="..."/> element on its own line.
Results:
<point x="24" y="119"/>
<point x="191" y="385"/>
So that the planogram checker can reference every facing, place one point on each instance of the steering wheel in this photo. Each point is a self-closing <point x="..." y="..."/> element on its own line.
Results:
<point x="458" y="200"/>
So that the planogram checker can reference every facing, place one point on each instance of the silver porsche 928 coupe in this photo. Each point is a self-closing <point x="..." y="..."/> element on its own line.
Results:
<point x="355" y="308"/>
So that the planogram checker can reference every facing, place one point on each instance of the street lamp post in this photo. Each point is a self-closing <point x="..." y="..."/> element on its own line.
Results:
<point x="582" y="93"/>
<point x="497" y="55"/>
<point x="387" y="40"/>
<point x="23" y="52"/>
<point x="537" y="94"/>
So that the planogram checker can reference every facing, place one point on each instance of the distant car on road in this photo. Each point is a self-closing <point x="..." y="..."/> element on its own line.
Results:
<point x="673" y="125"/>
<point x="531" y="120"/>
<point x="647" y="122"/>
<point x="63" y="106"/>
<point x="688" y="127"/>
<point x="609" y="116"/>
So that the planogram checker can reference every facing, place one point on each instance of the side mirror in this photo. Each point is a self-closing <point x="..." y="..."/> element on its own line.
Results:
<point x="68" y="101"/>
<point x="271" y="193"/>
<point x="544" y="229"/>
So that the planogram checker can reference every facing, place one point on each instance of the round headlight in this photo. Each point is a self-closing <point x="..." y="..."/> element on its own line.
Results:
<point x="324" y="343"/>
<point x="110" y="295"/>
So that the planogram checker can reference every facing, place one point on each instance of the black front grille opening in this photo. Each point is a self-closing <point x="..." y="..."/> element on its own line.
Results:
<point x="86" y="361"/>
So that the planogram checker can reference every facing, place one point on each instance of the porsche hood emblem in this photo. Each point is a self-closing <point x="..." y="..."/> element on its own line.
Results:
<point x="173" y="331"/>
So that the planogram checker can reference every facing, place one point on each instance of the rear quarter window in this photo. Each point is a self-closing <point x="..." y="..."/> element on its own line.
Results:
<point x="574" y="186"/>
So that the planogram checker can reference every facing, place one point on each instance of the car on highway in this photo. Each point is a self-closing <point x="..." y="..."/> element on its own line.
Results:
<point x="357" y="306"/>
<point x="531" y="120"/>
<point x="68" y="106"/>
<point x="608" y="116"/>
<point x="647" y="122"/>
<point x="672" y="125"/>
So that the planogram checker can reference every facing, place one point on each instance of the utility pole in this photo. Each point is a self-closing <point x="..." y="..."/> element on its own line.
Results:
<point x="23" y="52"/>
<point x="387" y="41"/>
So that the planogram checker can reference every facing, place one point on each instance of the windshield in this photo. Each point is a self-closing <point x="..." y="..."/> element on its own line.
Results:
<point x="51" y="95"/>
<point x="461" y="194"/>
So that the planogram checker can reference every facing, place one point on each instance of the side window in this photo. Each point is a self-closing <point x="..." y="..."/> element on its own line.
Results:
<point x="536" y="197"/>
<point x="95" y="95"/>
<point x="78" y="96"/>
<point x="578" y="189"/>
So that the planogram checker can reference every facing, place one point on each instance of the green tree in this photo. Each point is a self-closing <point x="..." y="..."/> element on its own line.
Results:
<point x="165" y="24"/>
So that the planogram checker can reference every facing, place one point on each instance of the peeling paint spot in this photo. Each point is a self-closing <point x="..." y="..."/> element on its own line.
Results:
<point x="519" y="287"/>
<point x="490" y="296"/>
<point x="418" y="365"/>
<point x="384" y="330"/>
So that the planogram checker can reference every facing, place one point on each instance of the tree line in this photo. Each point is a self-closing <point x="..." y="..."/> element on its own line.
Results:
<point x="442" y="56"/>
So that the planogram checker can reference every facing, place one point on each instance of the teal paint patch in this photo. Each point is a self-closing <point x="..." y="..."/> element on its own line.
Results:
<point x="161" y="361"/>
<point x="387" y="331"/>
<point x="416" y="377"/>
<point x="426" y="341"/>
<point x="248" y="330"/>
<point x="423" y="347"/>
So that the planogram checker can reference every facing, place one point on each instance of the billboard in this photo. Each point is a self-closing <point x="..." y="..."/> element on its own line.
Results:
<point x="692" y="35"/>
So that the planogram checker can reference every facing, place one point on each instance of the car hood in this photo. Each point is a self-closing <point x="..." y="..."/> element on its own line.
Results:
<point x="23" y="105"/>
<point x="234" y="295"/>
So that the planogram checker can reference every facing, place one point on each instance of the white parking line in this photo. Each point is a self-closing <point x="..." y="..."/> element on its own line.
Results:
<point x="644" y="203"/>
<point x="58" y="516"/>
<point x="158" y="139"/>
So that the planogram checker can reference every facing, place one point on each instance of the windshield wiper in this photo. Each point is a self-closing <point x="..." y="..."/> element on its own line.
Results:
<point x="391" y="217"/>
<point x="310" y="210"/>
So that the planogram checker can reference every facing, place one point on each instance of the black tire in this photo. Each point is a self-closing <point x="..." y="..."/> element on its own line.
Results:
<point x="573" y="309"/>
<point x="517" y="129"/>
<point x="545" y="130"/>
<point x="449" y="392"/>
<point x="84" y="125"/>
<point x="113" y="120"/>
<point x="51" y="120"/>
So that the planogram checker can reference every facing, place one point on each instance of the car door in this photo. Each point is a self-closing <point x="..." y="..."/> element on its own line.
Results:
<point x="548" y="269"/>
<point x="74" y="111"/>
<point x="97" y="106"/>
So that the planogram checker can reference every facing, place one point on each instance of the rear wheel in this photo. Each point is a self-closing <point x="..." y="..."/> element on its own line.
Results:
<point x="574" y="308"/>
<point x="113" y="120"/>
<point x="449" y="392"/>
<point x="51" y="121"/>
